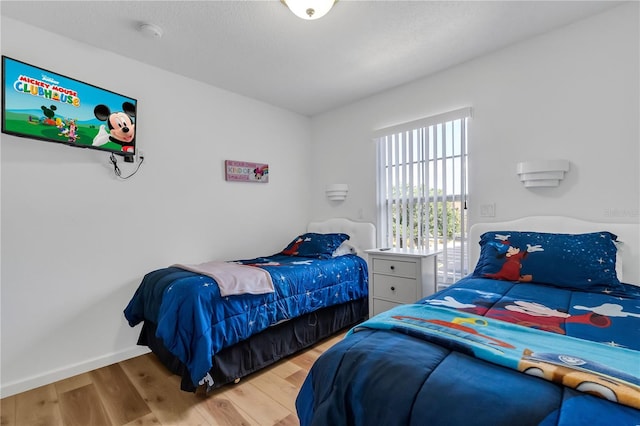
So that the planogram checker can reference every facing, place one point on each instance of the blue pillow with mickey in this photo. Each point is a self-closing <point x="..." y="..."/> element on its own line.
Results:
<point x="576" y="261"/>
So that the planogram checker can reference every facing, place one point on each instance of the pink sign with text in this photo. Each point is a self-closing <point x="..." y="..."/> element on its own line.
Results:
<point x="245" y="171"/>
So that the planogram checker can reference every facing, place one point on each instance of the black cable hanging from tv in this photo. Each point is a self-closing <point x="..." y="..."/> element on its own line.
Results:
<point x="116" y="169"/>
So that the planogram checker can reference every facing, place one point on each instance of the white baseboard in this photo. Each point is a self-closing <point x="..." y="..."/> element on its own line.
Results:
<point x="32" y="382"/>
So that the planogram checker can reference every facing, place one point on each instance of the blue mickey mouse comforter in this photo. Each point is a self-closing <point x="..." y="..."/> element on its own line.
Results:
<point x="486" y="352"/>
<point x="195" y="322"/>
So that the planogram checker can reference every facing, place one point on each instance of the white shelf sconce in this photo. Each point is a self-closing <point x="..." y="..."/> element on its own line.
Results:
<point x="337" y="191"/>
<point x="543" y="173"/>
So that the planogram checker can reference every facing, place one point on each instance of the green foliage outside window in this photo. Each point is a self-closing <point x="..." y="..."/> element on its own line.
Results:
<point x="423" y="215"/>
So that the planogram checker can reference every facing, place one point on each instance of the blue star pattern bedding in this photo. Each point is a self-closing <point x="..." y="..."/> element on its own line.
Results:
<point x="493" y="349"/>
<point x="194" y="321"/>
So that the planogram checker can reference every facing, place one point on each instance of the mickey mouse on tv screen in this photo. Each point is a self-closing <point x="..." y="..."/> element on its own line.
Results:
<point x="119" y="127"/>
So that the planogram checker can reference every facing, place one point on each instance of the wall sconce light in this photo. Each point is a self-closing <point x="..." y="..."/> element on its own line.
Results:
<point x="337" y="191"/>
<point x="544" y="173"/>
<point x="309" y="9"/>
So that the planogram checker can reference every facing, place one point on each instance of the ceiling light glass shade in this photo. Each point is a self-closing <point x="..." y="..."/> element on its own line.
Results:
<point x="309" y="9"/>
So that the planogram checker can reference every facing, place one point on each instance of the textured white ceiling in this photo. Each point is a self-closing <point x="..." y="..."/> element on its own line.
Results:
<point x="261" y="50"/>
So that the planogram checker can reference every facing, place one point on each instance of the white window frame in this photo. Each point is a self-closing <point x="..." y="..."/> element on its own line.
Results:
<point x="428" y="158"/>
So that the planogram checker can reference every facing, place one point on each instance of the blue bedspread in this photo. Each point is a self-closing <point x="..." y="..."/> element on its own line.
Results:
<point x="195" y="322"/>
<point x="439" y="362"/>
<point x="600" y="317"/>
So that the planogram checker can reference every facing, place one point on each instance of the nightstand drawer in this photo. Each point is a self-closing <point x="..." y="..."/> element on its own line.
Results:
<point x="395" y="267"/>
<point x="397" y="289"/>
<point x="381" y="306"/>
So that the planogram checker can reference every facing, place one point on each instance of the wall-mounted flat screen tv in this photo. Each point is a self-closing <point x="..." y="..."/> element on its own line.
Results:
<point x="40" y="104"/>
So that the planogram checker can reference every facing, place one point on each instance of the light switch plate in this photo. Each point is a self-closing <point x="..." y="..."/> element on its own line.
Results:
<point x="488" y="210"/>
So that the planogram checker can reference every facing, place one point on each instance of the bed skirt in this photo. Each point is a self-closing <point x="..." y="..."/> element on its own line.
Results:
<point x="265" y="348"/>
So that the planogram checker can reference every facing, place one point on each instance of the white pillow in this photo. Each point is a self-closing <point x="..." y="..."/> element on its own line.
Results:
<point x="345" y="248"/>
<point x="620" y="247"/>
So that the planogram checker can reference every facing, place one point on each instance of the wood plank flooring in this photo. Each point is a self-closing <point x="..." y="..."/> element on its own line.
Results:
<point x="141" y="391"/>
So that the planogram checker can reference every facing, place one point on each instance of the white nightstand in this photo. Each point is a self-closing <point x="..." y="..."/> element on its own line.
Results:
<point x="399" y="276"/>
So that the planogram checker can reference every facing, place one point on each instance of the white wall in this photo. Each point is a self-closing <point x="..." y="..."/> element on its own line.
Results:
<point x="76" y="241"/>
<point x="572" y="93"/>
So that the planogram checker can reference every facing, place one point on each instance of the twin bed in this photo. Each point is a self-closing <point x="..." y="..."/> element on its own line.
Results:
<point x="543" y="332"/>
<point x="211" y="325"/>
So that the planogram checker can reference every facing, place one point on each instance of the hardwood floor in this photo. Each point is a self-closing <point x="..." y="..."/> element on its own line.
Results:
<point x="140" y="391"/>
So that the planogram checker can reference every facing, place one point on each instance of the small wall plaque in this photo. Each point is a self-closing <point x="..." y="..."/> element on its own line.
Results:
<point x="245" y="171"/>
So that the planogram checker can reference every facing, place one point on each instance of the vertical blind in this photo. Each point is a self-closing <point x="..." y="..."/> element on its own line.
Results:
<point x="422" y="189"/>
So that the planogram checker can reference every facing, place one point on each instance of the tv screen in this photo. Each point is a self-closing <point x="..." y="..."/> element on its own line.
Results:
<point x="40" y="104"/>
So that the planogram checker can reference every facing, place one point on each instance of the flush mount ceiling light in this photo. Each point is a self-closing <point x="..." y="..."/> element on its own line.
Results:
<point x="309" y="9"/>
<point x="150" y="30"/>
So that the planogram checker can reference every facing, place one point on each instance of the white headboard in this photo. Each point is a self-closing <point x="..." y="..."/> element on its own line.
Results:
<point x="363" y="234"/>
<point x="628" y="234"/>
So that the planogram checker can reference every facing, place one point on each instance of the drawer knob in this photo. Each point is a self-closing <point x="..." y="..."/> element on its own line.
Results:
<point x="392" y="267"/>
<point x="393" y="288"/>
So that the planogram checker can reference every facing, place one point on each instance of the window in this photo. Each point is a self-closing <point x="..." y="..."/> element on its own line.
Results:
<point x="422" y="189"/>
